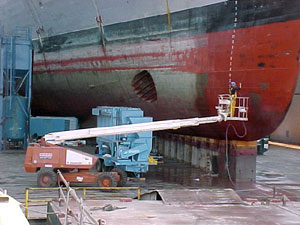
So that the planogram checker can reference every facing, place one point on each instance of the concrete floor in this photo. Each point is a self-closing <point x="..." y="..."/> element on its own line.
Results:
<point x="279" y="167"/>
<point x="157" y="212"/>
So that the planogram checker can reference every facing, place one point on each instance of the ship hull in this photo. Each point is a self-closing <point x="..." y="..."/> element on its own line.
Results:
<point x="182" y="66"/>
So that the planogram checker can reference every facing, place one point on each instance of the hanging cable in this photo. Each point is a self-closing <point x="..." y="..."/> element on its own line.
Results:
<point x="34" y="13"/>
<point x="99" y="22"/>
<point x="37" y="20"/>
<point x="235" y="131"/>
<point x="233" y="37"/>
<point x="226" y="147"/>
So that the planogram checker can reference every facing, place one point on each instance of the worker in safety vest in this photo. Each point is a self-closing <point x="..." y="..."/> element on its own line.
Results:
<point x="233" y="92"/>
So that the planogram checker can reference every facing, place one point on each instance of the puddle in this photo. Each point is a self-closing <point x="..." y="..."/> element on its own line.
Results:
<point x="185" y="175"/>
<point x="273" y="175"/>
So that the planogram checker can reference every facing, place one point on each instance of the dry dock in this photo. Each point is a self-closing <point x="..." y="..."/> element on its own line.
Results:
<point x="200" y="198"/>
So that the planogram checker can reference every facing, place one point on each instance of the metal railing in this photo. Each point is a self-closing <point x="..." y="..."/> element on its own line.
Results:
<point x="83" y="189"/>
<point x="84" y="212"/>
<point x="234" y="108"/>
<point x="241" y="107"/>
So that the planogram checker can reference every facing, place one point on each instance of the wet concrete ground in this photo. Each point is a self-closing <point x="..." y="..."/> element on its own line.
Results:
<point x="279" y="167"/>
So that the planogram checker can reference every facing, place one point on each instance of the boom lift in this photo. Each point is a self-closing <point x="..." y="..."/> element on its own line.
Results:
<point x="47" y="156"/>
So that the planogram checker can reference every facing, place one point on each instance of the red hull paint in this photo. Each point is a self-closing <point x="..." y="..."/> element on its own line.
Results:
<point x="265" y="61"/>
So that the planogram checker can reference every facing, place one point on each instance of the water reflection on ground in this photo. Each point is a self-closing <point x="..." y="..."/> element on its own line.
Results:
<point x="185" y="175"/>
<point x="276" y="175"/>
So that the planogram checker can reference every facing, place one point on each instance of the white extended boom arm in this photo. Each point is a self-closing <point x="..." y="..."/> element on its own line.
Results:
<point x="225" y="102"/>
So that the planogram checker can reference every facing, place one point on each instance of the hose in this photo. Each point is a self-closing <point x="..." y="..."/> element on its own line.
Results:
<point x="226" y="146"/>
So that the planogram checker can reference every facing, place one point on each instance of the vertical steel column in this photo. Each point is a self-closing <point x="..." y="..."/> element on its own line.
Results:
<point x="1" y="91"/>
<point x="11" y="70"/>
<point x="28" y="89"/>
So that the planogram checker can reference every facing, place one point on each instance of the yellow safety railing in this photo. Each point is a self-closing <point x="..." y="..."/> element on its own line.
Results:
<point x="84" y="193"/>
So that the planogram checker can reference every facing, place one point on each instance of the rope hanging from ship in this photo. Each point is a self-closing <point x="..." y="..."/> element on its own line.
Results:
<point x="100" y="23"/>
<point x="233" y="91"/>
<point x="233" y="35"/>
<point x="35" y="15"/>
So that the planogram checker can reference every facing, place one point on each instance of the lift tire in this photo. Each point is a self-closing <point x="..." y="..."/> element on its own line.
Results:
<point x="106" y="180"/>
<point x="123" y="176"/>
<point x="99" y="165"/>
<point x="46" y="178"/>
<point x="97" y="150"/>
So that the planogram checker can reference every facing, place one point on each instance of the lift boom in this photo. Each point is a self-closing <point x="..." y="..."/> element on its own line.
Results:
<point x="224" y="113"/>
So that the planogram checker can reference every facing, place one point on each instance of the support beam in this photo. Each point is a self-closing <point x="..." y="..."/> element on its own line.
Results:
<point x="210" y="155"/>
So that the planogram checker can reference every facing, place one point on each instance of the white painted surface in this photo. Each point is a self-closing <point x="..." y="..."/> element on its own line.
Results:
<point x="11" y="213"/>
<point x="75" y="158"/>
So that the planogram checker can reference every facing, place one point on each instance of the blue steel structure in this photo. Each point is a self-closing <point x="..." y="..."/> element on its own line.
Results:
<point x="41" y="125"/>
<point x="128" y="152"/>
<point x="15" y="88"/>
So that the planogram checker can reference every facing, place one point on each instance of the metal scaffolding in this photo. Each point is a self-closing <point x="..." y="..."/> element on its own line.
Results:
<point x="15" y="88"/>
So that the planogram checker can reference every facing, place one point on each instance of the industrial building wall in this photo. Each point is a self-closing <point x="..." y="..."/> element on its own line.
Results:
<point x="289" y="129"/>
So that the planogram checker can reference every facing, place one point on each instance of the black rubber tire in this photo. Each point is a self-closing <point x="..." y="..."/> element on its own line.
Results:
<point x="97" y="150"/>
<point x="106" y="180"/>
<point x="123" y="176"/>
<point x="99" y="165"/>
<point x="46" y="178"/>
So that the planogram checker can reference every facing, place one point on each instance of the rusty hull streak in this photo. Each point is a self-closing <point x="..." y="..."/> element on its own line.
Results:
<point x="201" y="86"/>
<point x="255" y="100"/>
<point x="264" y="86"/>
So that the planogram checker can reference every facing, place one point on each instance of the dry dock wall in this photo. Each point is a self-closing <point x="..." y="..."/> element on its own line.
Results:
<point x="289" y="129"/>
<point x="211" y="155"/>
